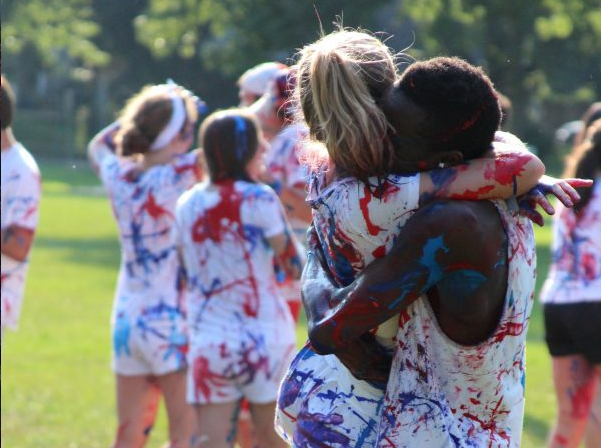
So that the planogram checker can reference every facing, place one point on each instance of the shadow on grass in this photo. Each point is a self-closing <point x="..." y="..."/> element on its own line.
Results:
<point x="538" y="429"/>
<point x="103" y="252"/>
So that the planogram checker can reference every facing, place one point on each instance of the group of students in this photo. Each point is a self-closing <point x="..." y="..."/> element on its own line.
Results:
<point x="417" y="305"/>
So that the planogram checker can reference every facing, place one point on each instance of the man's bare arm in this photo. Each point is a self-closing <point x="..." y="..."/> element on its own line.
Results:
<point x="437" y="242"/>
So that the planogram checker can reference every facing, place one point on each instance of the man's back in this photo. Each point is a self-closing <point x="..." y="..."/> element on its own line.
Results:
<point x="457" y="378"/>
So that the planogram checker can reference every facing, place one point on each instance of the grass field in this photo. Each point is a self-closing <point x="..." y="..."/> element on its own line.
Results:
<point x="57" y="385"/>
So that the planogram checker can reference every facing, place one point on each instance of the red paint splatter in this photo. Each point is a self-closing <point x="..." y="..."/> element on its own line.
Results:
<point x="561" y="440"/>
<point x="222" y="221"/>
<point x="379" y="252"/>
<point x="121" y="432"/>
<point x="205" y="380"/>
<point x="582" y="399"/>
<point x="403" y="318"/>
<point x="589" y="266"/>
<point x="474" y="195"/>
<point x="363" y="204"/>
<point x="154" y="209"/>
<point x="508" y="329"/>
<point x="507" y="167"/>
<point x="192" y="167"/>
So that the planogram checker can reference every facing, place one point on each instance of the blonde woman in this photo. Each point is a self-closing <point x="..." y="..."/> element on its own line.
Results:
<point x="143" y="163"/>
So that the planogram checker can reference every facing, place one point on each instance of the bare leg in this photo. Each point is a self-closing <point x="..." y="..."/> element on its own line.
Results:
<point x="137" y="403"/>
<point x="263" y="416"/>
<point x="574" y="387"/>
<point x="218" y="424"/>
<point x="246" y="432"/>
<point x="179" y="413"/>
<point x="592" y="438"/>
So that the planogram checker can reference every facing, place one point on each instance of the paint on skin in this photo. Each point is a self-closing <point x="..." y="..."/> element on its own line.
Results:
<point x="464" y="282"/>
<point x="231" y="435"/>
<point x="507" y="167"/>
<point x="582" y="395"/>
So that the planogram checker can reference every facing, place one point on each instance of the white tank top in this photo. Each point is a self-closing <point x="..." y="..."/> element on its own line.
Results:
<point x="442" y="394"/>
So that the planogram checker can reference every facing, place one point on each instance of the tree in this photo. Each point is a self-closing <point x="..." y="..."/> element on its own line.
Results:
<point x="57" y="29"/>
<point x="233" y="35"/>
<point x="543" y="54"/>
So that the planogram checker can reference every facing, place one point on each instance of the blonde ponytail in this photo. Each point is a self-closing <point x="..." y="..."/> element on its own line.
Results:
<point x="342" y="77"/>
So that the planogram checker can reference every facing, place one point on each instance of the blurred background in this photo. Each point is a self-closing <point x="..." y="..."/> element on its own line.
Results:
<point x="74" y="62"/>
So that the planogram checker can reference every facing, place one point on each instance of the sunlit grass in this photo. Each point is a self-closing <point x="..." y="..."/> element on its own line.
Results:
<point x="57" y="385"/>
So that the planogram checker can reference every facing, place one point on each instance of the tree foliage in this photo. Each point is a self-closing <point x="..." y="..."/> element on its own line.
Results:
<point x="232" y="35"/>
<point x="55" y="28"/>
<point x="544" y="54"/>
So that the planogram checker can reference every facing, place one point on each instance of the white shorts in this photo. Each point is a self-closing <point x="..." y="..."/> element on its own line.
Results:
<point x="149" y="348"/>
<point x="226" y="372"/>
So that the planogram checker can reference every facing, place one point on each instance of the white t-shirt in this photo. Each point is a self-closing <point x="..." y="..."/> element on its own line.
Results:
<point x="21" y="191"/>
<point x="283" y="162"/>
<point x="222" y="231"/>
<point x="355" y="224"/>
<point x="144" y="208"/>
<point x="575" y="272"/>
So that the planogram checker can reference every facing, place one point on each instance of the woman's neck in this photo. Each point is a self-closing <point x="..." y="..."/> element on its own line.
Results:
<point x="154" y="158"/>
<point x="8" y="139"/>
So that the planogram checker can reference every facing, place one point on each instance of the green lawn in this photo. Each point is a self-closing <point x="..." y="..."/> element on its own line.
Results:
<point x="58" y="389"/>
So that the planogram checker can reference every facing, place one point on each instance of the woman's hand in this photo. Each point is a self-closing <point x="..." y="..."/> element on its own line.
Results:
<point x="562" y="189"/>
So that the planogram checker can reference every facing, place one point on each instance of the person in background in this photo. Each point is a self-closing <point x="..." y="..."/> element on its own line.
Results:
<point x="229" y="230"/>
<point x="571" y="298"/>
<point x="267" y="106"/>
<point x="255" y="81"/>
<point x="593" y="113"/>
<point x="21" y="193"/>
<point x="285" y="171"/>
<point x="506" y="109"/>
<point x="143" y="162"/>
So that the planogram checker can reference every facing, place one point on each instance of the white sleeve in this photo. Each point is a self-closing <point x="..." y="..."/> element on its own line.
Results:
<point x="268" y="213"/>
<point x="22" y="208"/>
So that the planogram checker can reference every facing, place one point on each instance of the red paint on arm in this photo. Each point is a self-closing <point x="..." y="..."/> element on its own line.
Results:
<point x="475" y="195"/>
<point x="506" y="167"/>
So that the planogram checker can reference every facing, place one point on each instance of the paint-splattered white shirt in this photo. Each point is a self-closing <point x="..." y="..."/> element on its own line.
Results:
<point x="21" y="191"/>
<point x="575" y="271"/>
<point x="149" y="297"/>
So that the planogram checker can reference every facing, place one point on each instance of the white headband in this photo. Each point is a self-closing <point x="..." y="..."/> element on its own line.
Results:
<point x="178" y="117"/>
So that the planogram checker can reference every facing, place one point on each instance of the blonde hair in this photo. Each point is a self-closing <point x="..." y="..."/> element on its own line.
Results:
<point x="341" y="77"/>
<point x="145" y="115"/>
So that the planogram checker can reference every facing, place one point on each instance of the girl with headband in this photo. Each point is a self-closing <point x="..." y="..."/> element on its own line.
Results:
<point x="229" y="231"/>
<point x="143" y="162"/>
